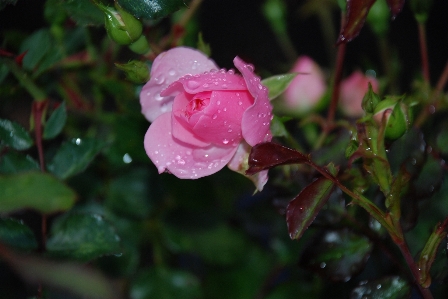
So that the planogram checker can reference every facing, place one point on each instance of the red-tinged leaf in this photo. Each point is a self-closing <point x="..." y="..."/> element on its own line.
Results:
<point x="303" y="209"/>
<point x="267" y="155"/>
<point x="19" y="58"/>
<point x="395" y="6"/>
<point x="357" y="11"/>
<point x="429" y="252"/>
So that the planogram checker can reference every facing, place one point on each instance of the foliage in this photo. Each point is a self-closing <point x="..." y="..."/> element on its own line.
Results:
<point x="355" y="208"/>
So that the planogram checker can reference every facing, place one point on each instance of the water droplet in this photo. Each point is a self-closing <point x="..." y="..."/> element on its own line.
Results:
<point x="193" y="84"/>
<point x="218" y="103"/>
<point x="127" y="158"/>
<point x="229" y="130"/>
<point x="250" y="67"/>
<point x="224" y="86"/>
<point x="160" y="80"/>
<point x="171" y="72"/>
<point x="77" y="141"/>
<point x="205" y="85"/>
<point x="260" y="86"/>
<point x="214" y="116"/>
<point x="322" y="265"/>
<point x="161" y="169"/>
<point x="225" y="109"/>
<point x="231" y="72"/>
<point x="222" y="71"/>
<point x="225" y="141"/>
<point x="240" y="103"/>
<point x="216" y="83"/>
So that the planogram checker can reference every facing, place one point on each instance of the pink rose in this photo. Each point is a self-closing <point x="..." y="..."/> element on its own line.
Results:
<point x="307" y="88"/>
<point x="352" y="92"/>
<point x="202" y="118"/>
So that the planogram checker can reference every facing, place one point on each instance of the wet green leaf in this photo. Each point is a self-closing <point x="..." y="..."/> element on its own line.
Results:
<point x="83" y="12"/>
<point x="34" y="190"/>
<point x="74" y="157"/>
<point x="14" y="135"/>
<point x="82" y="237"/>
<point x="337" y="254"/>
<point x="151" y="9"/>
<point x="302" y="210"/>
<point x="16" y="234"/>
<point x="278" y="84"/>
<point x="74" y="279"/>
<point x="159" y="282"/>
<point x="392" y="287"/>
<point x="56" y="122"/>
<point x="14" y="162"/>
<point x="37" y="46"/>
<point x="218" y="245"/>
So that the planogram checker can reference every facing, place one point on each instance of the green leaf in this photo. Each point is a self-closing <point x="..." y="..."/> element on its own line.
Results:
<point x="16" y="234"/>
<point x="14" y="135"/>
<point x="218" y="245"/>
<point x="82" y="237"/>
<point x="56" y="122"/>
<point x="37" y="45"/>
<point x="34" y="190"/>
<point x="14" y="162"/>
<point x="165" y="283"/>
<point x="278" y="84"/>
<point x="74" y="279"/>
<point x="302" y="210"/>
<point x="128" y="194"/>
<point x="337" y="254"/>
<point x="151" y="9"/>
<point x="393" y="287"/>
<point x="73" y="157"/>
<point x="83" y="12"/>
<point x="3" y="72"/>
<point x="278" y="128"/>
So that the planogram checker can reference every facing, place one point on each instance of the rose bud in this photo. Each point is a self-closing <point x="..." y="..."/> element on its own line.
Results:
<point x="352" y="92"/>
<point x="203" y="118"/>
<point x="395" y="115"/>
<point x="305" y="91"/>
<point x="121" y="26"/>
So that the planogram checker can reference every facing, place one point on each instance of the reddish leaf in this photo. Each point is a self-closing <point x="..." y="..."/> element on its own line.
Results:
<point x="19" y="58"/>
<point x="357" y="11"/>
<point x="303" y="209"/>
<point x="267" y="155"/>
<point x="395" y="6"/>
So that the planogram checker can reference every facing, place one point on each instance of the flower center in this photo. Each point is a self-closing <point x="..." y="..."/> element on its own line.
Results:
<point x="197" y="104"/>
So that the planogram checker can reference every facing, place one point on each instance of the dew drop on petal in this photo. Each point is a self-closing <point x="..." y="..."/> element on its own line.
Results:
<point x="240" y="103"/>
<point x="214" y="116"/>
<point x="225" y="141"/>
<point x="193" y="84"/>
<point x="171" y="72"/>
<point x="218" y="103"/>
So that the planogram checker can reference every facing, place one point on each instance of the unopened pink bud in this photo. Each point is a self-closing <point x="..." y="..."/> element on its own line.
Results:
<point x="352" y="92"/>
<point x="306" y="90"/>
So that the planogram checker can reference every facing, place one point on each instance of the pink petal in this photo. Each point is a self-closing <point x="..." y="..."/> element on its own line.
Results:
<point x="183" y="160"/>
<point x="307" y="88"/>
<point x="209" y="81"/>
<point x="239" y="163"/>
<point x="180" y="129"/>
<point x="257" y="118"/>
<point x="167" y="68"/>
<point x="220" y="121"/>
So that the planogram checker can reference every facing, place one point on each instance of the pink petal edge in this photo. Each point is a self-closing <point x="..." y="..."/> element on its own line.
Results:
<point x="257" y="118"/>
<point x="182" y="160"/>
<point x="168" y="67"/>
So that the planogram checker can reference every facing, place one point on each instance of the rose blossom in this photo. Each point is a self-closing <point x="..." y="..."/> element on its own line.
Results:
<point x="306" y="89"/>
<point x="352" y="92"/>
<point x="202" y="118"/>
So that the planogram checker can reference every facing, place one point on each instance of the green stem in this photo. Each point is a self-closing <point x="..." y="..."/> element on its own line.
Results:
<point x="424" y="51"/>
<point x="38" y="94"/>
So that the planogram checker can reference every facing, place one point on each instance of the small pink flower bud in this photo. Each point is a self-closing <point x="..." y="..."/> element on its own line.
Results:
<point x="352" y="92"/>
<point x="306" y="90"/>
